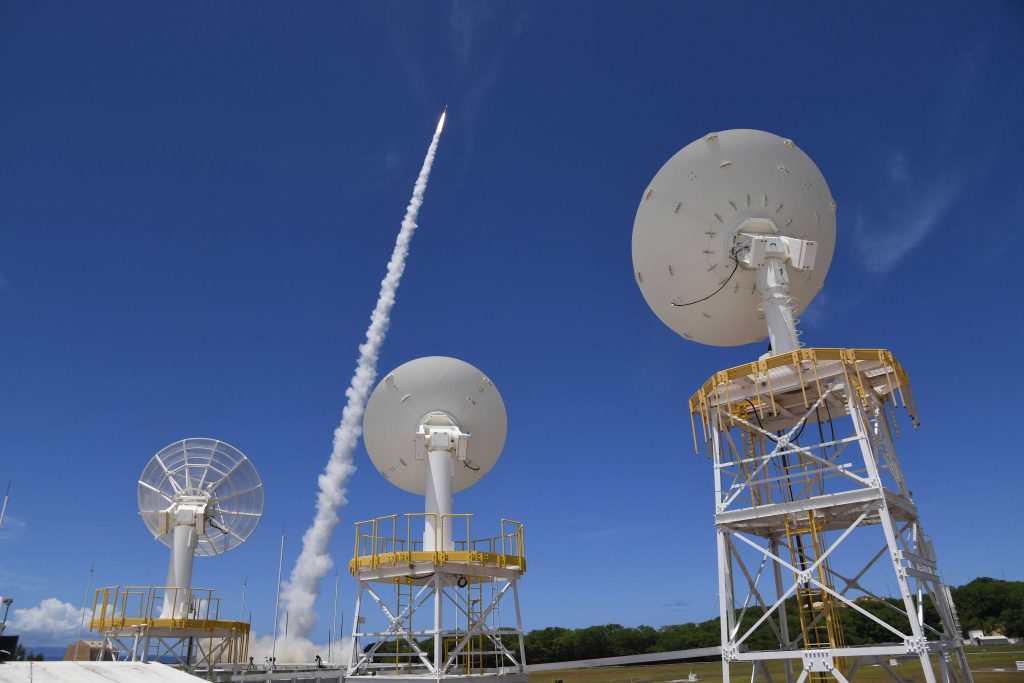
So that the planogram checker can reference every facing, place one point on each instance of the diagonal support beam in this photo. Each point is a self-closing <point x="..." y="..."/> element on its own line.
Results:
<point x="476" y="628"/>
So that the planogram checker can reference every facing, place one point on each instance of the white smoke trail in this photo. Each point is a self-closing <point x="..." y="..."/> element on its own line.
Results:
<point x="303" y="585"/>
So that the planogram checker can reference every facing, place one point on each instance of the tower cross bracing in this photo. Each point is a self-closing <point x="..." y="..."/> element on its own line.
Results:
<point x="813" y="515"/>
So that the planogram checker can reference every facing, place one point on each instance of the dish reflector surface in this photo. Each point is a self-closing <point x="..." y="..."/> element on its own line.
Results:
<point x="687" y="218"/>
<point x="201" y="468"/>
<point x="412" y="391"/>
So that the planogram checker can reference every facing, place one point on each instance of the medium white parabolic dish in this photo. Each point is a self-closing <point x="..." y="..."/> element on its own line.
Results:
<point x="207" y="469"/>
<point x="412" y="391"/>
<point x="688" y="216"/>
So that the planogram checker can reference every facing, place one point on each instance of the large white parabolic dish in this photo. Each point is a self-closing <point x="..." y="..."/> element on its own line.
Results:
<point x="412" y="391"/>
<point x="688" y="217"/>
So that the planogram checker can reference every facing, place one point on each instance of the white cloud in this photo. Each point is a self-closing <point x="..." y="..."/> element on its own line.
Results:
<point x="50" y="622"/>
<point x="918" y="196"/>
<point x="884" y="240"/>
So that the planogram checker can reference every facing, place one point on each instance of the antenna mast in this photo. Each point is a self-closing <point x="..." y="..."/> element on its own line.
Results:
<point x="435" y="426"/>
<point x="199" y="497"/>
<point x="733" y="237"/>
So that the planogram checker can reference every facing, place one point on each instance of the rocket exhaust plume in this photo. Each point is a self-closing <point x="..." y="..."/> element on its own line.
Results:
<point x="303" y="586"/>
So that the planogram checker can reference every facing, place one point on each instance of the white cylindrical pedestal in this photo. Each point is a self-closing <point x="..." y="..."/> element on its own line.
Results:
<point x="179" y="573"/>
<point x="438" y="501"/>
<point x="777" y="305"/>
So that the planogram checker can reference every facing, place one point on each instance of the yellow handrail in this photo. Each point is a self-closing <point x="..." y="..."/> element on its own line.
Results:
<point x="377" y="545"/>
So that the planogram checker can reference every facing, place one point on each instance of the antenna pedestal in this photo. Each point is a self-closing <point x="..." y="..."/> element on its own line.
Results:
<point x="777" y="305"/>
<point x="438" y="501"/>
<point x="439" y="439"/>
<point x="197" y="496"/>
<point x="448" y="584"/>
<point x="182" y="558"/>
<point x="764" y="250"/>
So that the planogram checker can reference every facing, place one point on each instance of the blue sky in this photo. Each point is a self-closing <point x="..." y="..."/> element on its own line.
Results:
<point x="197" y="203"/>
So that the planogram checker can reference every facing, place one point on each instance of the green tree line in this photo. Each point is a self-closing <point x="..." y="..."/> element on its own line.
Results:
<point x="987" y="604"/>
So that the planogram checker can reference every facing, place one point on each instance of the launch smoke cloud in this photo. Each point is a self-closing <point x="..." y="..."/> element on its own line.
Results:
<point x="300" y="592"/>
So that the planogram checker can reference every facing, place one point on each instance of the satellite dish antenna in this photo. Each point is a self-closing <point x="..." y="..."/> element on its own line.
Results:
<point x="198" y="497"/>
<point x="435" y="426"/>
<point x="733" y="238"/>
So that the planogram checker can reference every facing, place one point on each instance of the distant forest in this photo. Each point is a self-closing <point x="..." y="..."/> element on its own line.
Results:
<point x="986" y="604"/>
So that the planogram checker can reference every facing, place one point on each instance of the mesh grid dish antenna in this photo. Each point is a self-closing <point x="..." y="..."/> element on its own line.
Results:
<point x="198" y="497"/>
<point x="733" y="238"/>
<point x="435" y="426"/>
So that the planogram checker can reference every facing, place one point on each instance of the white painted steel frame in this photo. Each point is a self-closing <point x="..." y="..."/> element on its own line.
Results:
<point x="877" y="495"/>
<point x="434" y="594"/>
<point x="151" y="644"/>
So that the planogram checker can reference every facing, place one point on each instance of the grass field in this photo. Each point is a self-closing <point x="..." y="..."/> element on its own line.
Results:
<point x="983" y="662"/>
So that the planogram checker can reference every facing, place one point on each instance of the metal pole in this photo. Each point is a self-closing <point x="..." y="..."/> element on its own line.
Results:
<point x="438" y="645"/>
<point x="334" y="619"/>
<point x="355" y="629"/>
<point x="725" y="601"/>
<point x="7" y="608"/>
<point x="241" y="612"/>
<point x="860" y="424"/>
<point x="783" y="617"/>
<point x="81" y="623"/>
<point x="7" y="496"/>
<point x="277" y="597"/>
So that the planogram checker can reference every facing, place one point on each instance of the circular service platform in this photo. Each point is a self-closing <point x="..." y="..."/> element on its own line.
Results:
<point x="412" y="391"/>
<point x="683" y="235"/>
<point x="388" y="547"/>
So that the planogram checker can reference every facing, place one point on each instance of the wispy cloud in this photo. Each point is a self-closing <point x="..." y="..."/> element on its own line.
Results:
<point x="885" y="237"/>
<point x="13" y="527"/>
<point x="677" y="605"/>
<point x="621" y="531"/>
<point x="480" y="39"/>
<point x="921" y="192"/>
<point x="817" y="312"/>
<point x="465" y="17"/>
<point x="898" y="167"/>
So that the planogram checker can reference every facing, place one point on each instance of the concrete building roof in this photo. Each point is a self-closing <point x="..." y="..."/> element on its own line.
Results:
<point x="92" y="672"/>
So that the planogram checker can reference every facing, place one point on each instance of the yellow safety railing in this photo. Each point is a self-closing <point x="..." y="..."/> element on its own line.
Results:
<point x="865" y="371"/>
<point x="136" y="609"/>
<point x="131" y="606"/>
<point x="389" y="541"/>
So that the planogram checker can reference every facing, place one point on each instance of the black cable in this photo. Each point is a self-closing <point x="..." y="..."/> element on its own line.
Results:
<point x="465" y="463"/>
<point x="797" y="437"/>
<point x="736" y="267"/>
<point x="821" y="433"/>
<point x="831" y="426"/>
<point x="758" y="418"/>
